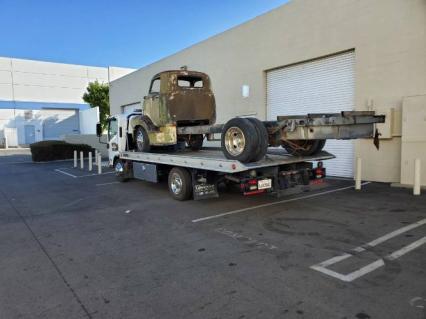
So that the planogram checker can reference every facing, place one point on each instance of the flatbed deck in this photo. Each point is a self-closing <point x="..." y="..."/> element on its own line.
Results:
<point x="212" y="159"/>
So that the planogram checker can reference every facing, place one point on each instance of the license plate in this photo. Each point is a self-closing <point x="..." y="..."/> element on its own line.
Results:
<point x="264" y="184"/>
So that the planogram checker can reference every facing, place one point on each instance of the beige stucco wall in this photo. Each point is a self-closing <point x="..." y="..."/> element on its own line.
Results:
<point x="389" y="38"/>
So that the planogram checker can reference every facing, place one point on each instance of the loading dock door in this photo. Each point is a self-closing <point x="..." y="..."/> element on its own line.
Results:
<point x="325" y="85"/>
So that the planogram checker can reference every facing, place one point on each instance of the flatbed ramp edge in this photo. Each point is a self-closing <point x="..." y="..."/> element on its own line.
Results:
<point x="214" y="160"/>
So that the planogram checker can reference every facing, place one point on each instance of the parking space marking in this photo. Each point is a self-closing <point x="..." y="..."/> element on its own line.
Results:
<point x="104" y="184"/>
<point x="75" y="176"/>
<point x="65" y="173"/>
<point x="322" y="267"/>
<point x="274" y="203"/>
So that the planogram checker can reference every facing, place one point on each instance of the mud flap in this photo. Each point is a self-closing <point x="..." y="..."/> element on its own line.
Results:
<point x="376" y="139"/>
<point x="205" y="187"/>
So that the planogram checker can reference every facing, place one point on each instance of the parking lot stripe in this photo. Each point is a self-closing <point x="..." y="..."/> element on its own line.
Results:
<point x="392" y="235"/>
<point x="406" y="249"/>
<point x="321" y="267"/>
<point x="103" y="184"/>
<point x="272" y="204"/>
<point x="65" y="173"/>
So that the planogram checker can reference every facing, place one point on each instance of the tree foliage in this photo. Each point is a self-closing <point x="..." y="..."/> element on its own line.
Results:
<point x="97" y="95"/>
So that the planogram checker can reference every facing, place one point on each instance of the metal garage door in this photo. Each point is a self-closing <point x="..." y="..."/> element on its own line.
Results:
<point x="319" y="86"/>
<point x="127" y="109"/>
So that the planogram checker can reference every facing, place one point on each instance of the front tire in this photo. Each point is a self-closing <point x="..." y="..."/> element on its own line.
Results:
<point x="239" y="140"/>
<point x="195" y="142"/>
<point x="142" y="140"/>
<point x="122" y="170"/>
<point x="180" y="183"/>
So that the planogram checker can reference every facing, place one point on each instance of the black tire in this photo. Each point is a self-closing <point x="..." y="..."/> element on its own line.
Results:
<point x="235" y="130"/>
<point x="122" y="170"/>
<point x="142" y="140"/>
<point x="304" y="147"/>
<point x="195" y="142"/>
<point x="263" y="139"/>
<point x="180" y="183"/>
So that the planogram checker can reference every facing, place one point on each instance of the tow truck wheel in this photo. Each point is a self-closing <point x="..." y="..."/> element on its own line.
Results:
<point x="121" y="169"/>
<point x="195" y="142"/>
<point x="142" y="140"/>
<point x="303" y="147"/>
<point x="180" y="183"/>
<point x="262" y="134"/>
<point x="239" y="140"/>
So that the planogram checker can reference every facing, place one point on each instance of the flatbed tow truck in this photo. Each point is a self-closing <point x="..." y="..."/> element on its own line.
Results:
<point x="198" y="174"/>
<point x="164" y="139"/>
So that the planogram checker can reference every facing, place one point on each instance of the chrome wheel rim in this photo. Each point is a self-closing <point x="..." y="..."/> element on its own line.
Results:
<point x="119" y="168"/>
<point x="235" y="141"/>
<point x="176" y="184"/>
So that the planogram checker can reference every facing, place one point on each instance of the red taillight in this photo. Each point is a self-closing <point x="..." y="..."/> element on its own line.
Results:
<point x="319" y="173"/>
<point x="252" y="182"/>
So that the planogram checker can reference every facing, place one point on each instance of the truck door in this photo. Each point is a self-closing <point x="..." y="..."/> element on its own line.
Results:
<point x="151" y="103"/>
<point x="112" y="139"/>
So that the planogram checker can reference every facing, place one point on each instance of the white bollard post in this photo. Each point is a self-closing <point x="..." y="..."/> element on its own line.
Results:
<point x="75" y="159"/>
<point x="90" y="161"/>
<point x="416" y="188"/>
<point x="99" y="164"/>
<point x="96" y="157"/>
<point x="81" y="160"/>
<point x="358" y="173"/>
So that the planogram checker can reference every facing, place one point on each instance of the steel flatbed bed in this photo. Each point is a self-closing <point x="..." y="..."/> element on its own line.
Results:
<point x="212" y="159"/>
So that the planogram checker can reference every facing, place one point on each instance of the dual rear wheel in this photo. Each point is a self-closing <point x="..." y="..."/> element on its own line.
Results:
<point x="244" y="140"/>
<point x="247" y="139"/>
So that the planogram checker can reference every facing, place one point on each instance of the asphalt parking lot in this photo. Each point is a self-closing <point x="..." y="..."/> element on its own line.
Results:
<point x="88" y="247"/>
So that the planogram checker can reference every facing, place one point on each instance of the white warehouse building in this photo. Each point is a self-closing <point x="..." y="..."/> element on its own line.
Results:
<point x="318" y="57"/>
<point x="43" y="100"/>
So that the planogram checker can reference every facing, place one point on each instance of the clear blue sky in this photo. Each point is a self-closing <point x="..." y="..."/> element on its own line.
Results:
<point x="126" y="33"/>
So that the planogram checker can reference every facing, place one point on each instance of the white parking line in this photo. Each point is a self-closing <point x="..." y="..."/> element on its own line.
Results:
<point x="321" y="267"/>
<point x="75" y="176"/>
<point x="65" y="173"/>
<point x="104" y="184"/>
<point x="274" y="203"/>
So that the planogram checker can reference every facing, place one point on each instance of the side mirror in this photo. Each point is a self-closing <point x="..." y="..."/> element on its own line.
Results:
<point x="98" y="129"/>
<point x="145" y="97"/>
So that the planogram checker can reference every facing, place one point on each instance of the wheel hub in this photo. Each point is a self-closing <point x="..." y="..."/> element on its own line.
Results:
<point x="235" y="141"/>
<point x="176" y="184"/>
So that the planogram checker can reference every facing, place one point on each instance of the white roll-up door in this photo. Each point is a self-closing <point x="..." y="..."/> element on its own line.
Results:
<point x="127" y="109"/>
<point x="325" y="85"/>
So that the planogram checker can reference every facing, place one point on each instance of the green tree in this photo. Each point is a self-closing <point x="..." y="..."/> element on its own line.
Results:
<point x="97" y="95"/>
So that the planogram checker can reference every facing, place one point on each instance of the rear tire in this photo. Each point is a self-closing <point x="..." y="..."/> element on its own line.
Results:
<point x="263" y="139"/>
<point x="142" y="140"/>
<point x="195" y="141"/>
<point x="180" y="183"/>
<point x="304" y="147"/>
<point x="239" y="140"/>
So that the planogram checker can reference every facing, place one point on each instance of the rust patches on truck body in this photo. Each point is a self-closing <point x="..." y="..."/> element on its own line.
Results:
<point x="184" y="98"/>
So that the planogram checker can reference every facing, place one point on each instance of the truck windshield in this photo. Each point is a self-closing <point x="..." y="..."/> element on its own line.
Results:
<point x="112" y="128"/>
<point x="190" y="82"/>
